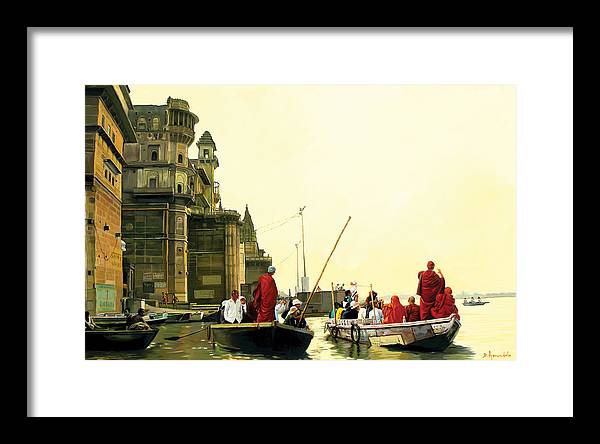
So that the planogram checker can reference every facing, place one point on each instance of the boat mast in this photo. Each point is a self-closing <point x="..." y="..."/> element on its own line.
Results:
<point x="303" y="252"/>
<point x="297" y="273"/>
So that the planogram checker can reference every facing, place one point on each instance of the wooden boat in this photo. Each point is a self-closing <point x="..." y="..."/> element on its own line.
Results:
<point x="177" y="316"/>
<point x="110" y="320"/>
<point x="261" y="337"/>
<point x="475" y="302"/>
<point x="116" y="340"/>
<point x="173" y="318"/>
<point x="430" y="335"/>
<point x="119" y="320"/>
<point x="154" y="319"/>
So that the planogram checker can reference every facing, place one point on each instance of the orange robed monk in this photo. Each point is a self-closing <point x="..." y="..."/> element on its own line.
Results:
<point x="413" y="312"/>
<point x="394" y="312"/>
<point x="430" y="285"/>
<point x="444" y="305"/>
<point x="265" y="296"/>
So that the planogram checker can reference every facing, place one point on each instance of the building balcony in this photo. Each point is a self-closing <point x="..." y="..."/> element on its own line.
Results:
<point x="182" y="130"/>
<point x="147" y="191"/>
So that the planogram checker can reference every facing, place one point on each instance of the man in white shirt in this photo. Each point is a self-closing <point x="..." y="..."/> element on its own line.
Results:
<point x="232" y="312"/>
<point x="280" y="308"/>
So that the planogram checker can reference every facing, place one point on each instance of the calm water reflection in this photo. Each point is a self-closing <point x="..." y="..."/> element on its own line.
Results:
<point x="489" y="328"/>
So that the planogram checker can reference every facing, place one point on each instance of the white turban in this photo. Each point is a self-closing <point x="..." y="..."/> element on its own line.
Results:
<point x="271" y="269"/>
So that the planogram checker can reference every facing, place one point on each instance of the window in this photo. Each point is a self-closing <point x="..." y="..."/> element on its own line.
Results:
<point x="154" y="155"/>
<point x="141" y="123"/>
<point x="152" y="182"/>
<point x="106" y="174"/>
<point x="206" y="154"/>
<point x="155" y="123"/>
<point x="103" y="122"/>
<point x="109" y="130"/>
<point x="180" y="158"/>
<point x="179" y="188"/>
<point x="192" y="185"/>
<point x="113" y="137"/>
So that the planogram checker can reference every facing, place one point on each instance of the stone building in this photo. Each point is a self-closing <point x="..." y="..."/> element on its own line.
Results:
<point x="256" y="260"/>
<point x="179" y="238"/>
<point x="159" y="186"/>
<point x="107" y="129"/>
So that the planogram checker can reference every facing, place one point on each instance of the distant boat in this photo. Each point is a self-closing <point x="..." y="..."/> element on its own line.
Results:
<point x="154" y="319"/>
<point x="430" y="335"/>
<point x="262" y="337"/>
<point x="465" y="302"/>
<point x="117" y="340"/>
<point x="175" y="315"/>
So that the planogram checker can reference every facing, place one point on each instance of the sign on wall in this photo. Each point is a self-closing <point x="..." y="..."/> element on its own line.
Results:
<point x="148" y="287"/>
<point x="105" y="298"/>
<point x="214" y="279"/>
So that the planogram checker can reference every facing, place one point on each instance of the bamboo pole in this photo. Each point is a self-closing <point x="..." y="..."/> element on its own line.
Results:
<point x="323" y="270"/>
<point x="373" y="305"/>
<point x="333" y="303"/>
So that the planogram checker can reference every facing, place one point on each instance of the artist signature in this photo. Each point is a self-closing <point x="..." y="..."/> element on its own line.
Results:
<point x="490" y="355"/>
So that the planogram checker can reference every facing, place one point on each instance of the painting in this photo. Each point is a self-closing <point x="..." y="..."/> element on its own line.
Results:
<point x="315" y="222"/>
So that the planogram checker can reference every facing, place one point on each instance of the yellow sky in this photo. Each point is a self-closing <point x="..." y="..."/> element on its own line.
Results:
<point x="426" y="172"/>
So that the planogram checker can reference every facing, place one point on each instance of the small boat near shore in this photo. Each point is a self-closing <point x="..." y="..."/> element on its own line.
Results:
<point x="467" y="303"/>
<point x="117" y="340"/>
<point x="110" y="320"/>
<point x="430" y="335"/>
<point x="119" y="320"/>
<point x="175" y="316"/>
<point x="154" y="319"/>
<point x="261" y="337"/>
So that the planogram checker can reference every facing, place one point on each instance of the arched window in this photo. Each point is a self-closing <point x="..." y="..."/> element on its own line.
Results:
<point x="155" y="123"/>
<point x="179" y="188"/>
<point x="141" y="123"/>
<point x="154" y="155"/>
<point x="192" y="184"/>
<point x="180" y="158"/>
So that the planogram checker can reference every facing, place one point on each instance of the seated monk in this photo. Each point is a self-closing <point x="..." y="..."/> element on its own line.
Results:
<point x="394" y="312"/>
<point x="444" y="305"/>
<point x="430" y="284"/>
<point x="413" y="312"/>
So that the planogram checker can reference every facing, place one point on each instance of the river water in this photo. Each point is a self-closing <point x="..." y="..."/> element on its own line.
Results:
<point x="487" y="332"/>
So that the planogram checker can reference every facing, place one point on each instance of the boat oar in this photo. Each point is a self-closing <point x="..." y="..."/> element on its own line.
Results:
<point x="333" y="304"/>
<point x="174" y="338"/>
<point x="322" y="271"/>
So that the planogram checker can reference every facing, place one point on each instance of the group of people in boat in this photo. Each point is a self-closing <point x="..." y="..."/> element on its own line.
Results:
<point x="436" y="301"/>
<point x="266" y="305"/>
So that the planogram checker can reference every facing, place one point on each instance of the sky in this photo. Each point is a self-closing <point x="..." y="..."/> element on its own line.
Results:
<point x="424" y="172"/>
